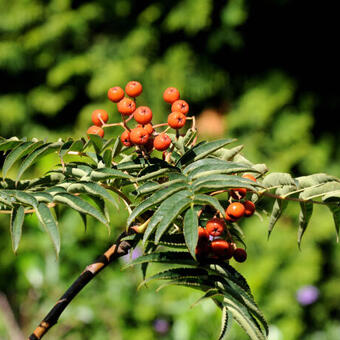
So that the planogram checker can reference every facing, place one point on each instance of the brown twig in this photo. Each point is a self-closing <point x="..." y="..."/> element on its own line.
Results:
<point x="118" y="249"/>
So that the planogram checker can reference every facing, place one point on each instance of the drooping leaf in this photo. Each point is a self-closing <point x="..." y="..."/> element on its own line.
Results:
<point x="16" y="222"/>
<point x="18" y="152"/>
<point x="80" y="205"/>
<point x="107" y="173"/>
<point x="49" y="223"/>
<point x="304" y="217"/>
<point x="314" y="180"/>
<point x="10" y="143"/>
<point x="190" y="230"/>
<point x="156" y="198"/>
<point x="41" y="151"/>
<point x="335" y="210"/>
<point x="226" y="322"/>
<point x="326" y="190"/>
<point x="174" y="207"/>
<point x="278" y="207"/>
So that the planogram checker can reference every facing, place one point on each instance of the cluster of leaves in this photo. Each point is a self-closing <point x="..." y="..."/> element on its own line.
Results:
<point x="163" y="199"/>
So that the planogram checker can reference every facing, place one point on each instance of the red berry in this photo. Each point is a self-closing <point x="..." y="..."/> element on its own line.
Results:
<point x="240" y="255"/>
<point x="162" y="142"/>
<point x="95" y="130"/>
<point x="125" y="138"/>
<point x="176" y="120"/>
<point x="133" y="88"/>
<point x="222" y="249"/>
<point x="115" y="94"/>
<point x="148" y="127"/>
<point x="203" y="235"/>
<point x="216" y="227"/>
<point x="99" y="117"/>
<point x="249" y="208"/>
<point x="142" y="115"/>
<point x="180" y="106"/>
<point x="235" y="210"/>
<point x="170" y="95"/>
<point x="126" y="106"/>
<point x="139" y="136"/>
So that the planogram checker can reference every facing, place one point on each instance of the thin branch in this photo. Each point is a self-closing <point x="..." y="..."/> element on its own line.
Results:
<point x="118" y="249"/>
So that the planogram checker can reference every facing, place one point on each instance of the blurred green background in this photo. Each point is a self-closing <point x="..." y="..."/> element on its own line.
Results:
<point x="260" y="71"/>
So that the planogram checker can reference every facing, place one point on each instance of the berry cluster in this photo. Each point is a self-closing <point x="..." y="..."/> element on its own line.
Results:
<point x="143" y="135"/>
<point x="215" y="241"/>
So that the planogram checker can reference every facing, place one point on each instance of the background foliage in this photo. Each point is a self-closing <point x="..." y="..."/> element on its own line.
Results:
<point x="252" y="69"/>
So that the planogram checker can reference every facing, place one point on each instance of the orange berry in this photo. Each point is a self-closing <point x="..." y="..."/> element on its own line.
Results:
<point x="235" y="210"/>
<point x="125" y="138"/>
<point x="126" y="106"/>
<point x="238" y="193"/>
<point x="240" y="255"/>
<point x="162" y="142"/>
<point x="180" y="106"/>
<point x="148" y="127"/>
<point x="229" y="219"/>
<point x="115" y="94"/>
<point x="176" y="120"/>
<point x="142" y="115"/>
<point x="99" y="117"/>
<point x="95" y="130"/>
<point x="251" y="177"/>
<point x="249" y="208"/>
<point x="203" y="235"/>
<point x="139" y="136"/>
<point x="216" y="227"/>
<point x="170" y="95"/>
<point x="149" y="144"/>
<point x="133" y="88"/>
<point x="222" y="249"/>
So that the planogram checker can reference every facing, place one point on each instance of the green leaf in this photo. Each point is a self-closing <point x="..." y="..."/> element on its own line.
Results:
<point x="42" y="196"/>
<point x="326" y="190"/>
<point x="226" y="322"/>
<point x="93" y="189"/>
<point x="177" y="274"/>
<point x="6" y="199"/>
<point x="314" y="180"/>
<point x="25" y="198"/>
<point x="49" y="223"/>
<point x="209" y="200"/>
<point x="243" y="318"/>
<point x="17" y="153"/>
<point x="335" y="210"/>
<point x="277" y="179"/>
<point x="172" y="257"/>
<point x="190" y="230"/>
<point x="216" y="182"/>
<point x="36" y="155"/>
<point x="65" y="148"/>
<point x="149" y="186"/>
<point x="16" y="222"/>
<point x="156" y="198"/>
<point x="278" y="207"/>
<point x="107" y="157"/>
<point x="107" y="173"/>
<point x="228" y="154"/>
<point x="80" y="205"/>
<point x="10" y="143"/>
<point x="304" y="217"/>
<point x="202" y="150"/>
<point x="97" y="142"/>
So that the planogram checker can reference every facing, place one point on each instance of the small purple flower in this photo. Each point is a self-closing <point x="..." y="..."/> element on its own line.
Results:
<point x="307" y="295"/>
<point x="161" y="326"/>
<point x="132" y="255"/>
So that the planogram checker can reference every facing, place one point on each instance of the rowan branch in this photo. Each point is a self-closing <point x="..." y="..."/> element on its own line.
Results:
<point x="118" y="249"/>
